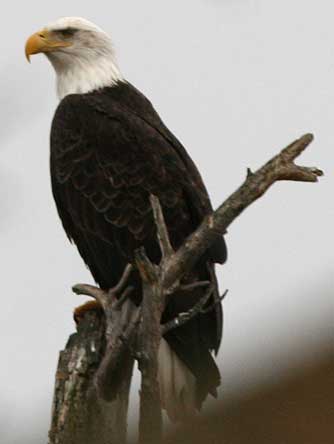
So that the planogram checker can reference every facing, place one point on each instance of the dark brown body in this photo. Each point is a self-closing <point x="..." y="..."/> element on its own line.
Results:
<point x="109" y="152"/>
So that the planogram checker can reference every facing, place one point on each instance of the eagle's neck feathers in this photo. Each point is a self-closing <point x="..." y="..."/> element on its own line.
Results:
<point x="83" y="73"/>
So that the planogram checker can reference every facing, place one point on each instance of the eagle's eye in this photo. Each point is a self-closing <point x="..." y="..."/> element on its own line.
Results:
<point x="67" y="33"/>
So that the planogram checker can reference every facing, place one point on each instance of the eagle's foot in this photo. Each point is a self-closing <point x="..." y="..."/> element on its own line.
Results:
<point x="90" y="306"/>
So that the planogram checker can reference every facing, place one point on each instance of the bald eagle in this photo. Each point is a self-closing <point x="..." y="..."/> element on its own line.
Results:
<point x="109" y="152"/>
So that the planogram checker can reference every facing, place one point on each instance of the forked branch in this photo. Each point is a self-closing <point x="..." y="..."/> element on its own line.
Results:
<point x="280" y="167"/>
<point x="164" y="279"/>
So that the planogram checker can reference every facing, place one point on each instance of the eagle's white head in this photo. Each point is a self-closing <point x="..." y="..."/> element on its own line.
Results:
<point x="80" y="52"/>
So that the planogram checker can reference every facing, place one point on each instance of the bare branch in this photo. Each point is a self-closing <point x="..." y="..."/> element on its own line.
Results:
<point x="147" y="270"/>
<point x="249" y="172"/>
<point x="216" y="302"/>
<point x="150" y="418"/>
<point x="295" y="149"/>
<point x="194" y="286"/>
<point x="162" y="231"/>
<point x="161" y="281"/>
<point x="125" y="296"/>
<point x="123" y="281"/>
<point x="280" y="167"/>
<point x="99" y="295"/>
<point x="185" y="317"/>
<point x="118" y="354"/>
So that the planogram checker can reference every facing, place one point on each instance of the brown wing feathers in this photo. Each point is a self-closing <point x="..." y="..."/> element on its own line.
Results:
<point x="109" y="152"/>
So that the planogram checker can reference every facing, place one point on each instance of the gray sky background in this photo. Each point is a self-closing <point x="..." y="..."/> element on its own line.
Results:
<point x="235" y="81"/>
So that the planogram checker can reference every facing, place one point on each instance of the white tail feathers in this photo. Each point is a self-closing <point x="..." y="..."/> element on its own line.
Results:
<point x="177" y="385"/>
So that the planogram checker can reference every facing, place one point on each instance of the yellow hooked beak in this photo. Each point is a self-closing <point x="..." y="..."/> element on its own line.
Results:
<point x="42" y="42"/>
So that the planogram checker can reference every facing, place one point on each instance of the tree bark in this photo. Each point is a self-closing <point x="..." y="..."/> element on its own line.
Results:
<point x="150" y="414"/>
<point x="79" y="416"/>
